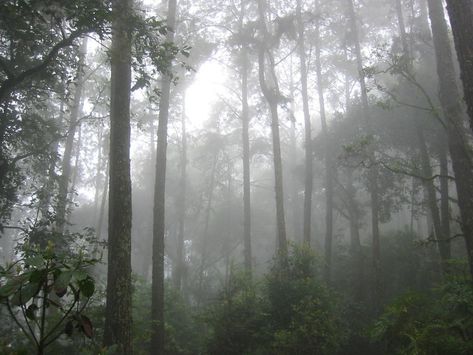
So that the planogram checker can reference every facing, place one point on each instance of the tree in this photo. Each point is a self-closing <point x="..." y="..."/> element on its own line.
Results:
<point x="454" y="119"/>
<point x="246" y="146"/>
<point x="373" y="171"/>
<point x="118" y="318"/>
<point x="329" y="169"/>
<point x="67" y="158"/>
<point x="157" y="297"/>
<point x="308" y="186"/>
<point x="461" y="19"/>
<point x="269" y="87"/>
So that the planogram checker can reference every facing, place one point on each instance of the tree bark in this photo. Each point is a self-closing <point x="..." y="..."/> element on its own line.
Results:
<point x="329" y="168"/>
<point x="157" y="295"/>
<point x="308" y="180"/>
<point x="431" y="195"/>
<point x="272" y="95"/>
<point x="454" y="120"/>
<point x="444" y="200"/>
<point x="245" y="121"/>
<point x="181" y="204"/>
<point x="461" y="20"/>
<point x="118" y="319"/>
<point x="64" y="181"/>
<point x="373" y="170"/>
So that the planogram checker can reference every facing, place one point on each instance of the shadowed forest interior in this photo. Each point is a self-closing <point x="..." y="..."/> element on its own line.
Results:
<point x="236" y="177"/>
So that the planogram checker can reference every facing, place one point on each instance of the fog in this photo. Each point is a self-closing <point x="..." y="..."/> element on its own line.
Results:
<point x="236" y="177"/>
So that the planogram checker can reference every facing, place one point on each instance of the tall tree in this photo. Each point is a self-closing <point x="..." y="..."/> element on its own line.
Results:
<point x="270" y="88"/>
<point x="157" y="295"/>
<point x="454" y="121"/>
<point x="75" y="109"/>
<point x="308" y="178"/>
<point x="440" y="225"/>
<point x="461" y="19"/>
<point x="373" y="171"/>
<point x="118" y="319"/>
<point x="181" y="203"/>
<point x="329" y="169"/>
<point x="245" y="122"/>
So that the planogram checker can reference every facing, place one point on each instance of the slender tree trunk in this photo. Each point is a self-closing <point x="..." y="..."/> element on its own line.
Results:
<point x="98" y="170"/>
<point x="358" y="282"/>
<point x="444" y="200"/>
<point x="431" y="195"/>
<point x="78" y="145"/>
<point x="157" y="294"/>
<point x="246" y="161"/>
<point x="461" y="19"/>
<point x="118" y="319"/>
<point x="103" y="202"/>
<point x="373" y="171"/>
<point x="452" y="109"/>
<point x="181" y="203"/>
<point x="308" y="179"/>
<point x="272" y="95"/>
<point x="208" y="210"/>
<point x="329" y="169"/>
<point x="64" y="181"/>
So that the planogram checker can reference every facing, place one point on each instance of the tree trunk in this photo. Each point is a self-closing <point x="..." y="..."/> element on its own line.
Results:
<point x="461" y="20"/>
<point x="157" y="294"/>
<point x="308" y="179"/>
<point x="431" y="196"/>
<point x="373" y="171"/>
<point x="246" y="161"/>
<point x="118" y="319"/>
<point x="64" y="181"/>
<point x="329" y="169"/>
<point x="444" y="200"/>
<point x="181" y="204"/>
<point x="452" y="109"/>
<point x="272" y="95"/>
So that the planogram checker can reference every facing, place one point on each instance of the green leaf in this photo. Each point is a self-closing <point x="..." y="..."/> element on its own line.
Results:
<point x="30" y="311"/>
<point x="80" y="275"/>
<point x="11" y="286"/>
<point x="63" y="280"/>
<point x="87" y="287"/>
<point x="35" y="261"/>
<point x="24" y="294"/>
<point x="37" y="276"/>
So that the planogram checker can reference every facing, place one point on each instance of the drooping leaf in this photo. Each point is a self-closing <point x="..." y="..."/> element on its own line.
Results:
<point x="38" y="276"/>
<point x="86" y="326"/>
<point x="80" y="275"/>
<point x="62" y="281"/>
<point x="25" y="293"/>
<point x="30" y="311"/>
<point x="87" y="287"/>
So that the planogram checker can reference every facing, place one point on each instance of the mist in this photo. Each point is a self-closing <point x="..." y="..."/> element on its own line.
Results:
<point x="236" y="177"/>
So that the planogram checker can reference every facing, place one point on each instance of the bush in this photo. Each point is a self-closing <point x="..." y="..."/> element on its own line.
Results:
<point x="290" y="312"/>
<point x="439" y="322"/>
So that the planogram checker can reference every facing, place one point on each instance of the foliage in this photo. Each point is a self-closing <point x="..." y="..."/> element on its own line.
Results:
<point x="182" y="333"/>
<point x="439" y="322"/>
<point x="302" y="310"/>
<point x="237" y="321"/>
<point x="291" y="312"/>
<point x="46" y="291"/>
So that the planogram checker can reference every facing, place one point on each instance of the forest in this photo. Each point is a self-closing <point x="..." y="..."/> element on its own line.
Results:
<point x="236" y="177"/>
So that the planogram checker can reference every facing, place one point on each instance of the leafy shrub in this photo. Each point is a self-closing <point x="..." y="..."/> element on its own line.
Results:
<point x="440" y="322"/>
<point x="45" y="293"/>
<point x="290" y="312"/>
